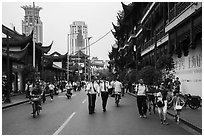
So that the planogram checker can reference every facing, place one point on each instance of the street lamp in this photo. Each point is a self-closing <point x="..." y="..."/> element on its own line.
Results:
<point x="89" y="73"/>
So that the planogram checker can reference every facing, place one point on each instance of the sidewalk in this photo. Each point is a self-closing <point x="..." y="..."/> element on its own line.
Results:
<point x="16" y="100"/>
<point x="190" y="117"/>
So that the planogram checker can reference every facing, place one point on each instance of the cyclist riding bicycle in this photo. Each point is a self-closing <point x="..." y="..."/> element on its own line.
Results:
<point x="36" y="94"/>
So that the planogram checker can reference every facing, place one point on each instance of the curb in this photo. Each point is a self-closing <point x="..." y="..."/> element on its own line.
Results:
<point x="18" y="103"/>
<point x="15" y="104"/>
<point x="198" y="129"/>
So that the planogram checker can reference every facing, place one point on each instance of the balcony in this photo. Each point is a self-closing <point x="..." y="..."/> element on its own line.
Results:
<point x="180" y="6"/>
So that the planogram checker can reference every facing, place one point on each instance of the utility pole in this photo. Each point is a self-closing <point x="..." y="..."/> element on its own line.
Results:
<point x="8" y="100"/>
<point x="33" y="23"/>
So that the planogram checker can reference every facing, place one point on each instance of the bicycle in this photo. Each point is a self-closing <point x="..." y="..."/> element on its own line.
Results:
<point x="117" y="98"/>
<point x="194" y="102"/>
<point x="151" y="101"/>
<point x="36" y="105"/>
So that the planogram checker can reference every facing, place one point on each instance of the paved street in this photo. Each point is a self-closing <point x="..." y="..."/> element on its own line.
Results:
<point x="70" y="117"/>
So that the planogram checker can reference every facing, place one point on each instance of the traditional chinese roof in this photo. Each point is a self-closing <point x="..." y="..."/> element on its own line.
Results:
<point x="15" y="39"/>
<point x="56" y="57"/>
<point x="45" y="49"/>
<point x="15" y="55"/>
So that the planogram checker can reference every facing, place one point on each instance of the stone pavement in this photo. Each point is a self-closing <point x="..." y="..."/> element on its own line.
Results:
<point x="190" y="117"/>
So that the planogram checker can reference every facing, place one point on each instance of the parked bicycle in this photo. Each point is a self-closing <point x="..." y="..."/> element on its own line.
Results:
<point x="194" y="102"/>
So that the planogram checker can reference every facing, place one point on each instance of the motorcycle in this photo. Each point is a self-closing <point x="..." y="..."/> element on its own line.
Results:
<point x="36" y="105"/>
<point x="194" y="102"/>
<point x="69" y="93"/>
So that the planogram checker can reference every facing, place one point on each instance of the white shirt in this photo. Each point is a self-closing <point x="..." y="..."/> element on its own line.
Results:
<point x="117" y="86"/>
<point x="51" y="87"/>
<point x="90" y="88"/>
<point x="102" y="86"/>
<point x="140" y="90"/>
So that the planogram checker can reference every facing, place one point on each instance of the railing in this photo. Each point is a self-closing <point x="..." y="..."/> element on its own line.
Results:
<point x="176" y="10"/>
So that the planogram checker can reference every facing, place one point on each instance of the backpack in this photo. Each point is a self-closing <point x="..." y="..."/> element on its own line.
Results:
<point x="160" y="103"/>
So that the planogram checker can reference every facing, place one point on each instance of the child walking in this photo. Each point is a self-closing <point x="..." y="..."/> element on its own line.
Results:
<point x="178" y="104"/>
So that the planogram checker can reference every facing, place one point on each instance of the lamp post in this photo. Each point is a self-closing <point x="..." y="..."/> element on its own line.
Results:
<point x="33" y="23"/>
<point x="8" y="100"/>
<point x="68" y="56"/>
<point x="89" y="73"/>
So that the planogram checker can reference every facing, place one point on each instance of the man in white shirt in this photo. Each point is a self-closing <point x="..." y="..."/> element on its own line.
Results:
<point x="51" y="88"/>
<point x="104" y="92"/>
<point x="92" y="89"/>
<point x="117" y="88"/>
<point x="141" y="98"/>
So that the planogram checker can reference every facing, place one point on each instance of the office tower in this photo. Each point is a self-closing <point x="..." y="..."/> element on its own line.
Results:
<point x="27" y="23"/>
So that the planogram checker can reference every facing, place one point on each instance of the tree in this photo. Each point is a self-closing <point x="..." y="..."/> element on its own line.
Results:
<point x="166" y="65"/>
<point x="28" y="73"/>
<point x="149" y="75"/>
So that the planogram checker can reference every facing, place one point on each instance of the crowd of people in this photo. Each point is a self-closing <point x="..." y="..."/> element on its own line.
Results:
<point x="147" y="97"/>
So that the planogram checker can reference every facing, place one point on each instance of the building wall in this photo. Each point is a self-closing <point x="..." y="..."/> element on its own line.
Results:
<point x="27" y="23"/>
<point x="78" y="38"/>
<point x="189" y="71"/>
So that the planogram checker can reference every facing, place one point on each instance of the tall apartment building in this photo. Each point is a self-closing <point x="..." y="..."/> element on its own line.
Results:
<point x="27" y="23"/>
<point x="78" y="38"/>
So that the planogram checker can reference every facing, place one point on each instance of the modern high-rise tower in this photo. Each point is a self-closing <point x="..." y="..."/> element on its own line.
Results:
<point x="27" y="23"/>
<point x="78" y="38"/>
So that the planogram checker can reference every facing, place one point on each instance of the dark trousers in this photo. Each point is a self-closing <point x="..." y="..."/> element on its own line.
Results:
<point x="51" y="94"/>
<point x="92" y="101"/>
<point x="43" y="97"/>
<point x="104" y="96"/>
<point x="142" y="105"/>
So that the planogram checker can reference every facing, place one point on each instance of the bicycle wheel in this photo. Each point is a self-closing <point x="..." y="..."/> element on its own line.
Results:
<point x="194" y="104"/>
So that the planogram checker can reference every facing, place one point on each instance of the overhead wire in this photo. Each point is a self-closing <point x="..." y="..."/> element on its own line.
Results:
<point x="93" y="42"/>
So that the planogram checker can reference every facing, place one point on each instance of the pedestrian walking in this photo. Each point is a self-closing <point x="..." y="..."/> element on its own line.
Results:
<point x="178" y="105"/>
<point x="92" y="89"/>
<point x="162" y="104"/>
<point x="27" y="89"/>
<point x="45" y="89"/>
<point x="51" y="89"/>
<point x="117" y="89"/>
<point x="177" y="84"/>
<point x="104" y="92"/>
<point x="141" y="89"/>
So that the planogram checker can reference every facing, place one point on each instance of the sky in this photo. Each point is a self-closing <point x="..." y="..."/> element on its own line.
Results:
<point x="58" y="16"/>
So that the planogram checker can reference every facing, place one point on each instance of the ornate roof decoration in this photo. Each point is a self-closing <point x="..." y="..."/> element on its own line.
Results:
<point x="45" y="49"/>
<point x="17" y="40"/>
<point x="56" y="57"/>
<point x="15" y="55"/>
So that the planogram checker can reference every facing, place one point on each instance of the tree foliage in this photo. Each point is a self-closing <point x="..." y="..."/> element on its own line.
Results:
<point x="28" y="73"/>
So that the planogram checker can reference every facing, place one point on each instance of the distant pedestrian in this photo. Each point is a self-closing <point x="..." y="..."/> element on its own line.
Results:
<point x="162" y="104"/>
<point x="92" y="89"/>
<point x="117" y="89"/>
<point x="51" y="89"/>
<point x="27" y="89"/>
<point x="104" y="92"/>
<point x="177" y="84"/>
<point x="141" y="89"/>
